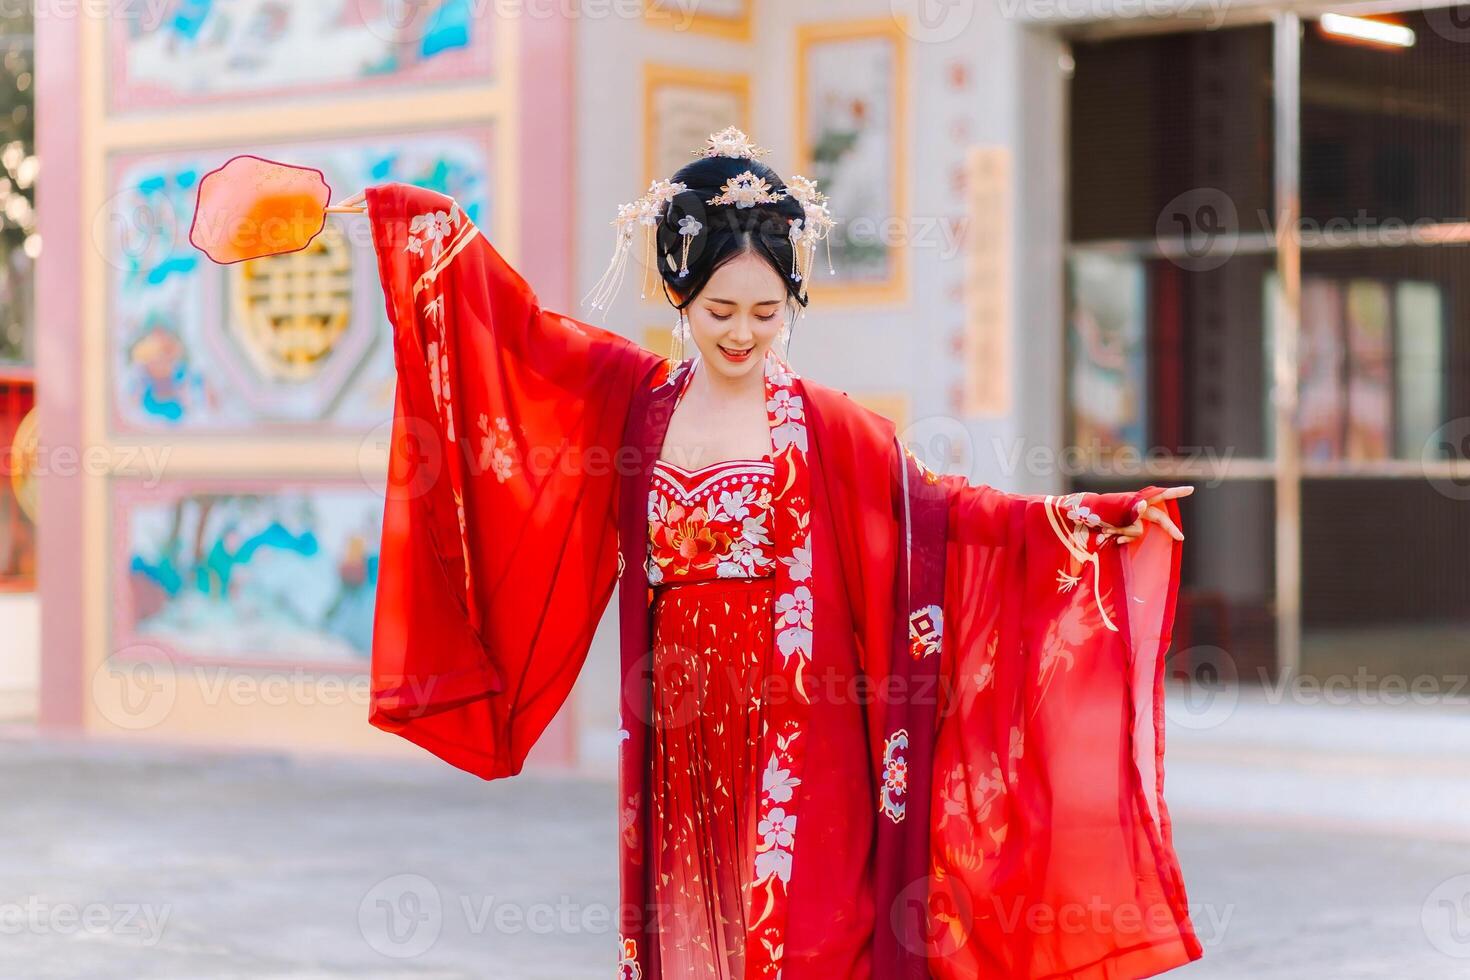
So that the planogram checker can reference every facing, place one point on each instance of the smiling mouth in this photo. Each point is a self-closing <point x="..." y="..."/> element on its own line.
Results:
<point x="735" y="355"/>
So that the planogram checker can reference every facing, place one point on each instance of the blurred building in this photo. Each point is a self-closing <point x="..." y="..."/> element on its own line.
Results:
<point x="1064" y="264"/>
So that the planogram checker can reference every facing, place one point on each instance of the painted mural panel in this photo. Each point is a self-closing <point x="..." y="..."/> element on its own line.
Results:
<point x="851" y="86"/>
<point x="202" y="51"/>
<point x="294" y="342"/>
<point x="253" y="572"/>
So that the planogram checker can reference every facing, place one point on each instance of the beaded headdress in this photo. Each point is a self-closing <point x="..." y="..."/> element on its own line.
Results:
<point x="744" y="190"/>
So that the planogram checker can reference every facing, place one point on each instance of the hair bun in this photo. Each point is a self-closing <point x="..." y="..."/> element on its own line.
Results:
<point x="714" y="209"/>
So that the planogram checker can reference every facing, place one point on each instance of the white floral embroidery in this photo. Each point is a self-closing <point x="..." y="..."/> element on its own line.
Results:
<point x="795" y="607"/>
<point x="800" y="561"/>
<point x="778" y="784"/>
<point x="439" y="385"/>
<point x="735" y="504"/>
<point x="786" y="406"/>
<point x="496" y="448"/>
<point x="778" y="832"/>
<point x="432" y="229"/>
<point x="891" y="796"/>
<point x="787" y="435"/>
<point x="795" y="641"/>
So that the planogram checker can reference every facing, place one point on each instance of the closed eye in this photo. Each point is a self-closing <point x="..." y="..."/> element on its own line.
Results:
<point x="765" y="319"/>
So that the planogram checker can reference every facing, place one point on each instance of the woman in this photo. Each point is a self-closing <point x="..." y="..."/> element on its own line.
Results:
<point x="875" y="722"/>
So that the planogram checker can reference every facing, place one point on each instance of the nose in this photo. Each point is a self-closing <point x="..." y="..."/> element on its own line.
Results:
<point x="740" y="331"/>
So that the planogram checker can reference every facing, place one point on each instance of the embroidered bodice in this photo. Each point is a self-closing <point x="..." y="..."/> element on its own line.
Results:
<point x="712" y="522"/>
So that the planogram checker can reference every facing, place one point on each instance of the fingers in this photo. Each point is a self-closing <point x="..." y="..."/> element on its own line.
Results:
<point x="1161" y="517"/>
<point x="1172" y="493"/>
<point x="357" y="198"/>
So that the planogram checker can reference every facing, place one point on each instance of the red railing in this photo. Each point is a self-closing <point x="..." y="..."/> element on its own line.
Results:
<point x="17" y="528"/>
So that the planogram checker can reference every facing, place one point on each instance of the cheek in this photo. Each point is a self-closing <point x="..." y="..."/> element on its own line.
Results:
<point x="765" y="330"/>
<point x="705" y="327"/>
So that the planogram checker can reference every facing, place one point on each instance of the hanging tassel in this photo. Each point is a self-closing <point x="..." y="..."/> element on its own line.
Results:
<point x="676" y="342"/>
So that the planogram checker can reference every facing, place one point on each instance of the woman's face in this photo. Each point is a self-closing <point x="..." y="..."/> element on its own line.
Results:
<point x="737" y="315"/>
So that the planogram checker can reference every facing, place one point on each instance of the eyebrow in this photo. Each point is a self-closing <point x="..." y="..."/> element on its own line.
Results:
<point x="731" y="302"/>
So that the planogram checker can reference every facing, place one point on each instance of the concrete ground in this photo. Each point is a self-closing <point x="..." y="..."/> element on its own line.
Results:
<point x="122" y="861"/>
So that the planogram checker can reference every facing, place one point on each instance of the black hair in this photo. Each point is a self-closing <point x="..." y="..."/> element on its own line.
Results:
<point x="726" y="231"/>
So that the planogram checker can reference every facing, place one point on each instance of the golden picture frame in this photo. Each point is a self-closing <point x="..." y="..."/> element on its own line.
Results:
<point x="728" y="19"/>
<point x="681" y="107"/>
<point x="852" y="136"/>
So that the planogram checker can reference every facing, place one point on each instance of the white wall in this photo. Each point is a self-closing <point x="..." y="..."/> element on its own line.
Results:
<point x="1014" y="99"/>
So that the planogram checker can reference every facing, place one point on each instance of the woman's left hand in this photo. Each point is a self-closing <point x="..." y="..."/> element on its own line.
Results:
<point x="1156" y="512"/>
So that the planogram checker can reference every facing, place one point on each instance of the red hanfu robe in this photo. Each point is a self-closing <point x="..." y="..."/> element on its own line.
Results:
<point x="962" y="736"/>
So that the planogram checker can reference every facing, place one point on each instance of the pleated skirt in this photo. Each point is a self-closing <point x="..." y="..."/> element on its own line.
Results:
<point x="711" y="648"/>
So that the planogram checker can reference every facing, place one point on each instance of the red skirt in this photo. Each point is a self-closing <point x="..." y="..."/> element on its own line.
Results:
<point x="711" y="643"/>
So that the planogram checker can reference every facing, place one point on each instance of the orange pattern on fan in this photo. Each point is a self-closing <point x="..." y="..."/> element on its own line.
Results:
<point x="252" y="207"/>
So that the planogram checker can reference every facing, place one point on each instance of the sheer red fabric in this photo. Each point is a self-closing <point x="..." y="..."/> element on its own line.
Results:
<point x="496" y="558"/>
<point x="1007" y="820"/>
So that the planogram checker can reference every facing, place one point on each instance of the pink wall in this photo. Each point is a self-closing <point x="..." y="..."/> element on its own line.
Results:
<point x="59" y="365"/>
<point x="546" y="103"/>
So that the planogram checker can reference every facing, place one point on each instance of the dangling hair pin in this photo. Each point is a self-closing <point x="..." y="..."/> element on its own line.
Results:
<point x="689" y="227"/>
<point x="815" y="227"/>
<point x="647" y="211"/>
<point x="744" y="190"/>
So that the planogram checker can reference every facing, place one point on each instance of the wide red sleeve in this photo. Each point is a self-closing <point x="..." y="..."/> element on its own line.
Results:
<point x="498" y="551"/>
<point x="1051" y="846"/>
